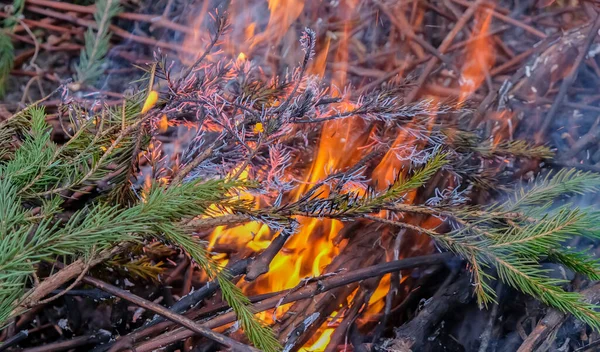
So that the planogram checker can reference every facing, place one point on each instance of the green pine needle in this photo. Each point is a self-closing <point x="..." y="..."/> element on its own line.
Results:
<point x="7" y="56"/>
<point x="515" y="238"/>
<point x="97" y="42"/>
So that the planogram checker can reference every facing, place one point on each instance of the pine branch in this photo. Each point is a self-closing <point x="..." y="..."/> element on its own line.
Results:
<point x="15" y="11"/>
<point x="91" y="59"/>
<point x="520" y="242"/>
<point x="259" y="334"/>
<point x="529" y="278"/>
<point x="7" y="51"/>
<point x="580" y="262"/>
<point x="142" y="268"/>
<point x="7" y="56"/>
<point x="551" y="187"/>
<point x="516" y="148"/>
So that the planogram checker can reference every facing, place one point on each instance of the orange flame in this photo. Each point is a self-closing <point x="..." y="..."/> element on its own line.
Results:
<point x="341" y="145"/>
<point x="480" y="57"/>
<point x="321" y="344"/>
<point x="282" y="14"/>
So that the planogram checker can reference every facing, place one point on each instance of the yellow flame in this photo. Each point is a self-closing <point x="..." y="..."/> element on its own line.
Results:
<point x="259" y="128"/>
<point x="150" y="101"/>
<point x="241" y="57"/>
<point x="321" y="344"/>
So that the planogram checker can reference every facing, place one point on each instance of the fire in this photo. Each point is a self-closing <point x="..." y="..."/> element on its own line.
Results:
<point x="241" y="57"/>
<point x="481" y="57"/>
<point x="342" y="143"/>
<point x="163" y="124"/>
<point x="150" y="101"/>
<point x="321" y="344"/>
<point x="282" y="14"/>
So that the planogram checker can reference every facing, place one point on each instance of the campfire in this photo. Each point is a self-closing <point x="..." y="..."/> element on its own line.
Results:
<point x="290" y="175"/>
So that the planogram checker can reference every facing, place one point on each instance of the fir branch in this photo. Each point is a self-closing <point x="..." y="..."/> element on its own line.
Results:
<point x="580" y="262"/>
<point x="15" y="11"/>
<point x="142" y="268"/>
<point x="91" y="59"/>
<point x="259" y="334"/>
<point x="543" y="235"/>
<point x="7" y="56"/>
<point x="514" y="240"/>
<point x="528" y="277"/>
<point x="516" y="148"/>
<point x="551" y="187"/>
<point x="352" y="204"/>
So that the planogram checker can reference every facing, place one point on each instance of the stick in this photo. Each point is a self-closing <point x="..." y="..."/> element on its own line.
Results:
<point x="553" y="320"/>
<point x="340" y="335"/>
<point x="71" y="344"/>
<point x="114" y="29"/>
<point x="404" y="27"/>
<point x="507" y="19"/>
<point x="13" y="340"/>
<point x="158" y="323"/>
<point x="414" y="333"/>
<point x="487" y="333"/>
<point x="159" y="21"/>
<point x="261" y="264"/>
<point x="308" y="291"/>
<point x="68" y="273"/>
<point x="174" y="317"/>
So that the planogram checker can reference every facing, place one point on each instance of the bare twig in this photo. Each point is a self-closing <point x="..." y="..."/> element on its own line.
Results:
<point x="14" y="340"/>
<point x="553" y="320"/>
<point x="304" y="293"/>
<point x="71" y="344"/>
<point x="177" y="318"/>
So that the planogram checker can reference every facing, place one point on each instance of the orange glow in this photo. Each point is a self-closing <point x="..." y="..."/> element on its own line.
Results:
<point x="480" y="57"/>
<point x="321" y="344"/>
<point x="341" y="143"/>
<point x="163" y="124"/>
<point x="258" y="128"/>
<point x="283" y="13"/>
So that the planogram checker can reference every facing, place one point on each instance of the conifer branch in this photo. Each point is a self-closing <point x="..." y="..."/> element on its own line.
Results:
<point x="7" y="51"/>
<point x="7" y="56"/>
<point x="91" y="59"/>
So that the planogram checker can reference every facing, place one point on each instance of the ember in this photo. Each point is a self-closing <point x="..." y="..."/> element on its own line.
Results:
<point x="299" y="176"/>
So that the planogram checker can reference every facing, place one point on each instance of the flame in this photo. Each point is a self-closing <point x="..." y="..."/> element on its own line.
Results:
<point x="163" y="124"/>
<point x="241" y="58"/>
<point x="480" y="57"/>
<point x="321" y="344"/>
<point x="258" y="128"/>
<point x="341" y="144"/>
<point x="150" y="101"/>
<point x="282" y="14"/>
